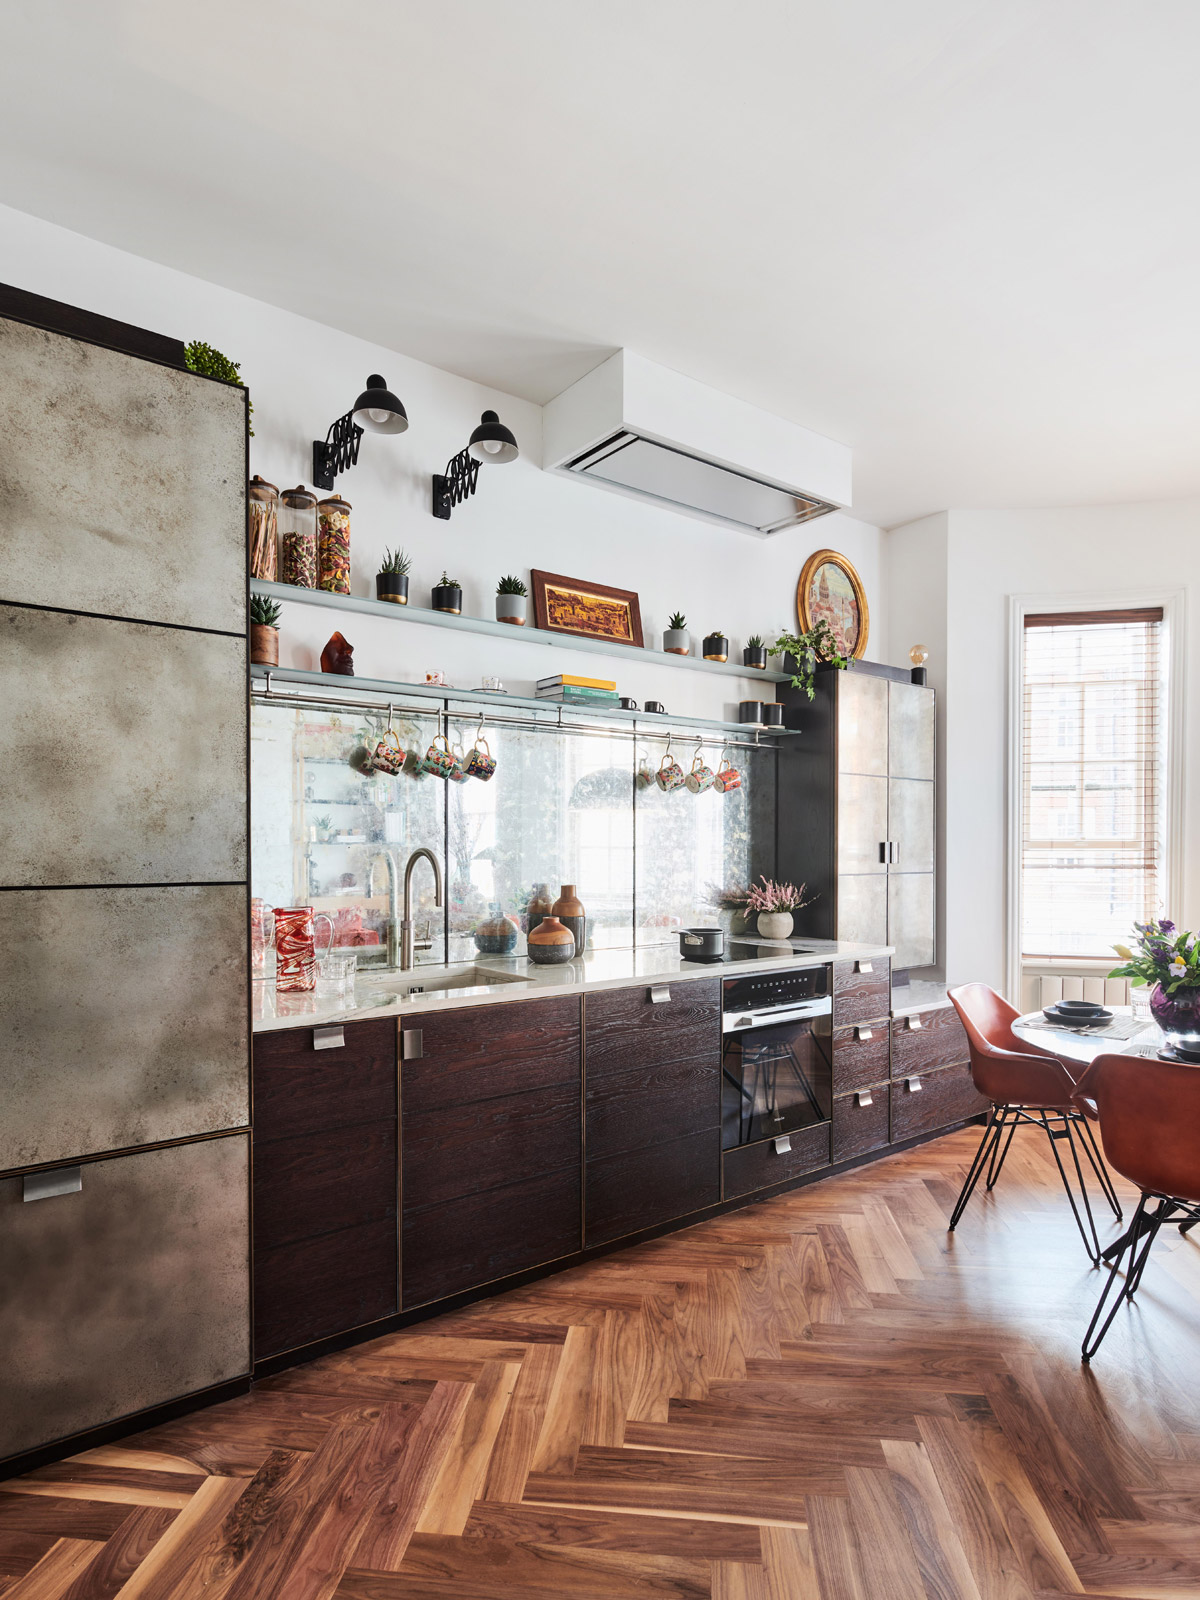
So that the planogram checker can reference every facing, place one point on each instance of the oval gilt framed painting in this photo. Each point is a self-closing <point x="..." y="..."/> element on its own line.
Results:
<point x="830" y="591"/>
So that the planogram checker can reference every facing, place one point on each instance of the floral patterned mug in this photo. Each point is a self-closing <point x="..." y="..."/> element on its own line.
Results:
<point x="727" y="776"/>
<point x="439" y="758"/>
<point x="481" y="763"/>
<point x="700" y="777"/>
<point x="670" y="773"/>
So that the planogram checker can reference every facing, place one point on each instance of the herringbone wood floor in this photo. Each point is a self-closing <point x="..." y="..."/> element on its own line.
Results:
<point x="823" y="1397"/>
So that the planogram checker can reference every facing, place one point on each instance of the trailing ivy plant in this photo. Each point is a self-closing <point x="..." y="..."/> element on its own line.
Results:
<point x="819" y="644"/>
<point x="210" y="363"/>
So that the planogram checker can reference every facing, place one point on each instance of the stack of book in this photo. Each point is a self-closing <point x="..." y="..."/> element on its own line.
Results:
<point x="568" y="690"/>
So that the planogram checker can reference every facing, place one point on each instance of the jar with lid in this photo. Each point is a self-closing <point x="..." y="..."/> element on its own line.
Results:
<point x="333" y="554"/>
<point x="298" y="537"/>
<point x="262" y="508"/>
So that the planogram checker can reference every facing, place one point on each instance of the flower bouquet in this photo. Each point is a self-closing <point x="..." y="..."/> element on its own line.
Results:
<point x="1168" y="961"/>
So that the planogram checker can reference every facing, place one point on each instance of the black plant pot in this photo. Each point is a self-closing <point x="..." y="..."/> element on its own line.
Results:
<point x="716" y="647"/>
<point x="392" y="586"/>
<point x="447" y="597"/>
<point x="754" y="658"/>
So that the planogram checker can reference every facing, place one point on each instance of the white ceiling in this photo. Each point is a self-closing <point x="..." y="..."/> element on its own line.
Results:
<point x="961" y="237"/>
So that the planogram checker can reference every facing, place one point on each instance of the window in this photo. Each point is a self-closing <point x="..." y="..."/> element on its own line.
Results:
<point x="1093" y="780"/>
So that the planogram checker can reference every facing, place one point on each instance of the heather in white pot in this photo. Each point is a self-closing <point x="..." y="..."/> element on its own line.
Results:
<point x="774" y="904"/>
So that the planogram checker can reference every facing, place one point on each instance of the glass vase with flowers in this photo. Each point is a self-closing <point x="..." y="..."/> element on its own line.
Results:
<point x="1169" y="962"/>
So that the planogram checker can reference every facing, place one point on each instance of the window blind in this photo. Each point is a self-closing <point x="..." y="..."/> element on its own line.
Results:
<point x="1093" y="780"/>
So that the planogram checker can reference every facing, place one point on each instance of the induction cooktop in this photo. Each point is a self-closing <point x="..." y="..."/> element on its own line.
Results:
<point x="751" y="950"/>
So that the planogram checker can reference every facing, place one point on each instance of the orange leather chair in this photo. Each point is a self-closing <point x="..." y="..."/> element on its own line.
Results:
<point x="1030" y="1086"/>
<point x="1149" y="1113"/>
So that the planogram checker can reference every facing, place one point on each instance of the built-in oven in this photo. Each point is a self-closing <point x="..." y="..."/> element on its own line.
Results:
<point x="776" y="1057"/>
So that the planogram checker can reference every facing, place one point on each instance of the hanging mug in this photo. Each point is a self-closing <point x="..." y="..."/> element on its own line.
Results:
<point x="700" y="777"/>
<point x="481" y="763"/>
<point x="439" y="758"/>
<point x="295" y="952"/>
<point x="670" y="773"/>
<point x="728" y="777"/>
<point x="459" y="774"/>
<point x="387" y="755"/>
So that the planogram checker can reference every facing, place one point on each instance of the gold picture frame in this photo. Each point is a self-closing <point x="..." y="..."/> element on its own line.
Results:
<point x="831" y="590"/>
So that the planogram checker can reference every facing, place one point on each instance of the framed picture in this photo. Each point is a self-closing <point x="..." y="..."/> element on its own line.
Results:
<point x="593" y="610"/>
<point x="831" y="591"/>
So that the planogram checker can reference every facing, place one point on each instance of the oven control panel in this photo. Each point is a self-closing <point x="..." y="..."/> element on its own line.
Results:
<point x="768" y="991"/>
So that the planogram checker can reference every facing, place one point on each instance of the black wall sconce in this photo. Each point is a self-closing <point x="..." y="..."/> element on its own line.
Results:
<point x="376" y="409"/>
<point x="491" y="443"/>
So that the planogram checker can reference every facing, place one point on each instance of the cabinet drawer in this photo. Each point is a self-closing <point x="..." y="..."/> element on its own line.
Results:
<point x="313" y="1288"/>
<point x="320" y="1182"/>
<point x="758" y="1166"/>
<point x="627" y="1028"/>
<point x="642" y="1188"/>
<point x="939" y="1040"/>
<point x="859" y="1061"/>
<point x="299" y="1089"/>
<point x="649" y="1106"/>
<point x="861" y="996"/>
<point x="946" y="1095"/>
<point x="132" y="1291"/>
<point x="471" y="1241"/>
<point x="858" y="1128"/>
<point x="480" y="1051"/>
<point x="464" y="1150"/>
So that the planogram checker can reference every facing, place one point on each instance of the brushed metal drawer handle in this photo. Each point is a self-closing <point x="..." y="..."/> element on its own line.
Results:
<point x="913" y="1085"/>
<point x="863" y="1098"/>
<point x="914" y="1024"/>
<point x="329" y="1038"/>
<point x="412" y="1044"/>
<point x="659" y="993"/>
<point x="863" y="1033"/>
<point x="45" y="1185"/>
<point x="863" y="966"/>
<point x="782" y="1145"/>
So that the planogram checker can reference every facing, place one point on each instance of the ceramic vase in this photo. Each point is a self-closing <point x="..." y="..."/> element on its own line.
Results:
<point x="512" y="608"/>
<point x="774" y="924"/>
<point x="496" y="935"/>
<point x="541" y="906"/>
<point x="550" y="944"/>
<point x="568" y="908"/>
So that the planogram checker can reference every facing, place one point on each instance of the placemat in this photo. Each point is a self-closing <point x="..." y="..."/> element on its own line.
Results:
<point x="1119" y="1028"/>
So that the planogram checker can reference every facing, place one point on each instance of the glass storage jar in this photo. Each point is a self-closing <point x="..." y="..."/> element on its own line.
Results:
<point x="333" y="556"/>
<point x="262" y="508"/>
<point x="298" y="537"/>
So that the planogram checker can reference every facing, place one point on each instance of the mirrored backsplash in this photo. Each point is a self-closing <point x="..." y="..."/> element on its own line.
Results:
<point x="563" y="806"/>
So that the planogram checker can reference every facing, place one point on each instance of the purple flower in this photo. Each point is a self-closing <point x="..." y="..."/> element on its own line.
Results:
<point x="1166" y="928"/>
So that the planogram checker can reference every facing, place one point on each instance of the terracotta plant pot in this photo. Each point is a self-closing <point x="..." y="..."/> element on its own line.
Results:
<point x="264" y="645"/>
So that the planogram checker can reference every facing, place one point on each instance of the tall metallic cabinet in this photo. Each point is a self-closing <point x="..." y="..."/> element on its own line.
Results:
<point x="856" y="809"/>
<point x="124" y="1150"/>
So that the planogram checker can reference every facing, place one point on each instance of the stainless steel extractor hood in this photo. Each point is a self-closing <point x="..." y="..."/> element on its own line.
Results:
<point x="643" y="430"/>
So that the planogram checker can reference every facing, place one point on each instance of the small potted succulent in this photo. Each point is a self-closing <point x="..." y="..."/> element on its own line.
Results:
<point x="774" y="904"/>
<point x="447" y="595"/>
<point x="264" y="631"/>
<point x="391" y="581"/>
<point x="716" y="646"/>
<point x="675" y="636"/>
<point x="511" y="601"/>
<point x="755" y="653"/>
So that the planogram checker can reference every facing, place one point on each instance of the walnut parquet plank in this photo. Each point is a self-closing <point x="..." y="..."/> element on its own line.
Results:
<point x="823" y="1397"/>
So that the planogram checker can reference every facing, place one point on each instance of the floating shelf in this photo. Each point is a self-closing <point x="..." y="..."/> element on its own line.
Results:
<point x="504" y="630"/>
<point x="498" y="706"/>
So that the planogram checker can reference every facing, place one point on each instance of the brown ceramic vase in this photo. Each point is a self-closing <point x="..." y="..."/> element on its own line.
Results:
<point x="568" y="908"/>
<point x="550" y="944"/>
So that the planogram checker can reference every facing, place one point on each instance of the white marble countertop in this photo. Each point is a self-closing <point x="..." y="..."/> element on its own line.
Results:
<point x="496" y="979"/>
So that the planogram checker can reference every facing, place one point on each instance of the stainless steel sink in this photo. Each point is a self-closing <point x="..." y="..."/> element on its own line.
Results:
<point x="432" y="980"/>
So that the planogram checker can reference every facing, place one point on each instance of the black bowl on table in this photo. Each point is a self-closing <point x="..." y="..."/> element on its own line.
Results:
<point x="1078" y="1014"/>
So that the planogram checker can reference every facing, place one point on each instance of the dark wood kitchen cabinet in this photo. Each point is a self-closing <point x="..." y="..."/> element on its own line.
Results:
<point x="653" y="1106"/>
<point x="931" y="1073"/>
<point x="325" y="1182"/>
<point x="861" y="1058"/>
<point x="490" y="1143"/>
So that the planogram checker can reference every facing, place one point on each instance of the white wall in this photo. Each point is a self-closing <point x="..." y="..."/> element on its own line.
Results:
<point x="1119" y="550"/>
<point x="302" y="374"/>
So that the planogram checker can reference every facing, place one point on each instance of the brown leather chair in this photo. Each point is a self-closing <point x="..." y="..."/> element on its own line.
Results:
<point x="1149" y="1113"/>
<point x="1030" y="1086"/>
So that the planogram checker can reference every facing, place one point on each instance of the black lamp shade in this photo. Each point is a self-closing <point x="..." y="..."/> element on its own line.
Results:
<point x="378" y="410"/>
<point x="492" y="442"/>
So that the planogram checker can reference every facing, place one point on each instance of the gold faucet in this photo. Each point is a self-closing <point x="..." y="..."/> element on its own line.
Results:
<point x="406" y="925"/>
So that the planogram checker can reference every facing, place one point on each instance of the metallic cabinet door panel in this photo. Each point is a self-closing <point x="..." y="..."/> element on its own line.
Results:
<point x="862" y="722"/>
<point x="910" y="922"/>
<point x="123" y="484"/>
<point x="124" y="1018"/>
<point x="910" y="824"/>
<point x="122" y="752"/>
<point x="911" y="721"/>
<point x="862" y="909"/>
<point x="862" y="822"/>
<point x="129" y="1293"/>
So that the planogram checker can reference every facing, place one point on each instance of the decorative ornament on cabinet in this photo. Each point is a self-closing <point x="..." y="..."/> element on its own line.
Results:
<point x="919" y="655"/>
<point x="338" y="656"/>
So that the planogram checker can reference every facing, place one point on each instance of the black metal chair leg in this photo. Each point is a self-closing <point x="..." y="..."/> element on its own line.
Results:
<point x="1093" y="1255"/>
<point x="1069" y="1123"/>
<point x="991" y="1134"/>
<point x="1137" y="1266"/>
<point x="999" y="1157"/>
<point x="1091" y="1339"/>
<point x="1092" y="1151"/>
